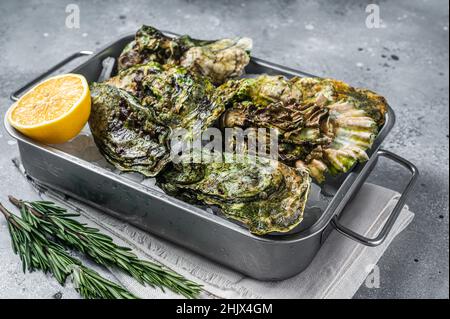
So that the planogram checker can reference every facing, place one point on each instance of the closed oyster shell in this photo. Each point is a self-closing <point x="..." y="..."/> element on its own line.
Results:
<point x="323" y="124"/>
<point x="219" y="60"/>
<point x="323" y="92"/>
<point x="265" y="195"/>
<point x="261" y="90"/>
<point x="351" y="131"/>
<point x="180" y="98"/>
<point x="150" y="45"/>
<point x="126" y="133"/>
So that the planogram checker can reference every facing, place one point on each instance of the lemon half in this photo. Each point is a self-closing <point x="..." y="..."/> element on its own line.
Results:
<point x="54" y="111"/>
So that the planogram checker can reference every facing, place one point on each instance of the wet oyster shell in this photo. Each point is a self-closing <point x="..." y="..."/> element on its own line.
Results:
<point x="323" y="124"/>
<point x="180" y="98"/>
<point x="323" y="92"/>
<point x="150" y="45"/>
<point x="261" y="90"/>
<point x="351" y="131"/>
<point x="265" y="195"/>
<point x="219" y="60"/>
<point x="126" y="133"/>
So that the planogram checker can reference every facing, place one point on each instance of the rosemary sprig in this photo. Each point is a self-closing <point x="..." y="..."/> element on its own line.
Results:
<point x="56" y="221"/>
<point x="39" y="253"/>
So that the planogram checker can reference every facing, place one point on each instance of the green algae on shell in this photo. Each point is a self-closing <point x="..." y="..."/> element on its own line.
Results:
<point x="265" y="195"/>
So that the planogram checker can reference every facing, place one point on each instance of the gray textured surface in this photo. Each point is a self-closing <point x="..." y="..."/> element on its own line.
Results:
<point x="405" y="60"/>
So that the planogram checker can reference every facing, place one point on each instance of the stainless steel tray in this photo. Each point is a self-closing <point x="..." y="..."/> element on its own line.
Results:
<point x="266" y="258"/>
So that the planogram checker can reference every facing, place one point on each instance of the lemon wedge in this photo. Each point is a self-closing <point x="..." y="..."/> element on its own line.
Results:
<point x="54" y="111"/>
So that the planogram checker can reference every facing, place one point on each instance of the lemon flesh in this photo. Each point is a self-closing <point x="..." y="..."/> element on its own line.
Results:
<point x="54" y="111"/>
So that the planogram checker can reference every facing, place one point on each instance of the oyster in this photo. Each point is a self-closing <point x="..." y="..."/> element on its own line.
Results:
<point x="265" y="195"/>
<point x="150" y="45"/>
<point x="323" y="92"/>
<point x="353" y="119"/>
<point x="126" y="133"/>
<point x="179" y="97"/>
<point x="261" y="90"/>
<point x="322" y="124"/>
<point x="351" y="132"/>
<point x="219" y="60"/>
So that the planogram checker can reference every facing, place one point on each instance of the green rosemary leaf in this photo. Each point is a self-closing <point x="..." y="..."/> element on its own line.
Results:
<point x="44" y="202"/>
<point x="56" y="222"/>
<point x="37" y="252"/>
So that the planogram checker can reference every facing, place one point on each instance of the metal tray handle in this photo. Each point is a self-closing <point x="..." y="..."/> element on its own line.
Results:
<point x="372" y="242"/>
<point x="16" y="95"/>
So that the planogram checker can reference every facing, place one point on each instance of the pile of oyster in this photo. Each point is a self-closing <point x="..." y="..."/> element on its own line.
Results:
<point x="323" y="126"/>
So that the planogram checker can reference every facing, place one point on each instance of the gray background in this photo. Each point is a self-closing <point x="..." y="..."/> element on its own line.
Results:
<point x="406" y="60"/>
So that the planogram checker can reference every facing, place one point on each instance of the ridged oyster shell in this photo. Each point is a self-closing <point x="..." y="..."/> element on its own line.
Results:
<point x="323" y="124"/>
<point x="126" y="133"/>
<point x="180" y="98"/>
<point x="265" y="195"/>
<point x="219" y="60"/>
